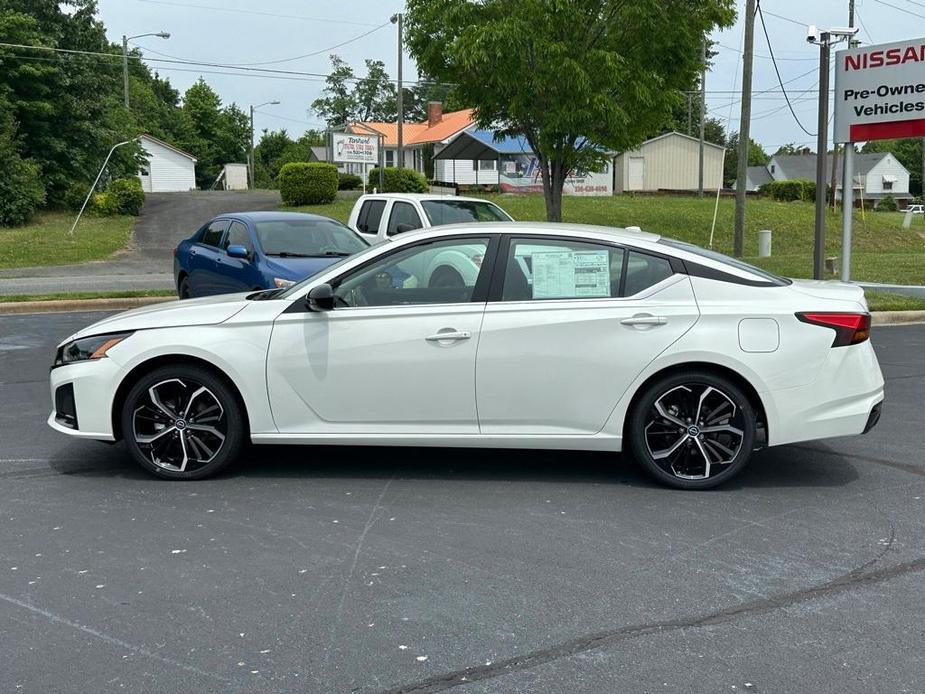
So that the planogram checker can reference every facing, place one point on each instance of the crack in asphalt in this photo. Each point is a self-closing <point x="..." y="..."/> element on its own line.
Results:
<point x="854" y="578"/>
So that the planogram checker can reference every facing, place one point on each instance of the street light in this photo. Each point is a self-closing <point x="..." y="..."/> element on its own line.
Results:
<point x="251" y="157"/>
<point x="125" y="40"/>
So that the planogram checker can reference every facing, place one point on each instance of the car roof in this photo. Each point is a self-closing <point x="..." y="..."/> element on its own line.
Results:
<point x="423" y="196"/>
<point x="540" y="229"/>
<point x="271" y="216"/>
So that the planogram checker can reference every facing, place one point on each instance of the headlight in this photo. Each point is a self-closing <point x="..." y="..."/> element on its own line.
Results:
<point x="88" y="348"/>
<point x="280" y="282"/>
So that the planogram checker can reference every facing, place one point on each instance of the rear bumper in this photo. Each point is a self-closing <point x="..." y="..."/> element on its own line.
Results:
<point x="873" y="418"/>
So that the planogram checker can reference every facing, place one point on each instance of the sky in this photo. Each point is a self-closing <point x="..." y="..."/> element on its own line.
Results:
<point x="256" y="31"/>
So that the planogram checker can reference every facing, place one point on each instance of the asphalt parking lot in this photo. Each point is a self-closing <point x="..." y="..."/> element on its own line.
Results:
<point x="421" y="570"/>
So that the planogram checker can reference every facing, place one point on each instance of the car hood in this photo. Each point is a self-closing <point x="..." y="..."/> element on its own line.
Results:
<point x="208" y="310"/>
<point x="299" y="268"/>
<point x="830" y="289"/>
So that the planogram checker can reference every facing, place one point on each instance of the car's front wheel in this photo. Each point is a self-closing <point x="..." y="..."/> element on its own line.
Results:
<point x="183" y="422"/>
<point x="692" y="430"/>
<point x="185" y="289"/>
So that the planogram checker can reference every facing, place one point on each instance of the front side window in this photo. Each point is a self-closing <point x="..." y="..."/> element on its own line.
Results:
<point x="403" y="218"/>
<point x="452" y="211"/>
<point x="561" y="269"/>
<point x="238" y="236"/>
<point x="438" y="272"/>
<point x="212" y="235"/>
<point x="307" y="238"/>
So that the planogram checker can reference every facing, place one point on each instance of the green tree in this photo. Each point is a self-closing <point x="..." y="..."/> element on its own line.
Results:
<point x="789" y="148"/>
<point x="908" y="152"/>
<point x="374" y="95"/>
<point x="216" y="135"/>
<point x="576" y="77"/>
<point x="337" y="105"/>
<point x="756" y="157"/>
<point x="425" y="90"/>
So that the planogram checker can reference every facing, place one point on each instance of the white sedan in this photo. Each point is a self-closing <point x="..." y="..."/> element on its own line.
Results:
<point x="568" y="337"/>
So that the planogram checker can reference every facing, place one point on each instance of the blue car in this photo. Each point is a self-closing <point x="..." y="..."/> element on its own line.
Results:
<point x="248" y="251"/>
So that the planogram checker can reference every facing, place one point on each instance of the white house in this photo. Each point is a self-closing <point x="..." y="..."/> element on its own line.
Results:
<point x="668" y="162"/>
<point x="876" y="174"/>
<point x="167" y="169"/>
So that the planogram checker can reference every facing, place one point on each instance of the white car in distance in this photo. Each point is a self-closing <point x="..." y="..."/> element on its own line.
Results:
<point x="568" y="337"/>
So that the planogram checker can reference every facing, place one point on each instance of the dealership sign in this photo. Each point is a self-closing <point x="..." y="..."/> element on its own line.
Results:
<point x="880" y="92"/>
<point x="355" y="149"/>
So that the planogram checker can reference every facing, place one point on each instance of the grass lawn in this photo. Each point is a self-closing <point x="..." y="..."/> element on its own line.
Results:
<point x="882" y="251"/>
<point x="61" y="296"/>
<point x="886" y="301"/>
<point x="45" y="240"/>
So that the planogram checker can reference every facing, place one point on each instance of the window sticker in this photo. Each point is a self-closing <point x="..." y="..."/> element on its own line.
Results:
<point x="571" y="274"/>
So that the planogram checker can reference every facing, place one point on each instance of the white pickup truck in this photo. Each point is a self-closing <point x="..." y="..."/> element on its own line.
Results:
<point x="380" y="216"/>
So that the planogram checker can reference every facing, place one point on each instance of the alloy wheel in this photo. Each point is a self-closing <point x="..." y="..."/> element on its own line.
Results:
<point x="179" y="425"/>
<point x="694" y="431"/>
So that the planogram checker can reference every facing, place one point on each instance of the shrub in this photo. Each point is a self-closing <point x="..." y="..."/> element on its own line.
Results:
<point x="105" y="204"/>
<point x="396" y="180"/>
<point x="75" y="195"/>
<point x="308" y="183"/>
<point x="347" y="181"/>
<point x="21" y="190"/>
<point x="129" y="193"/>
<point x="788" y="191"/>
<point x="887" y="204"/>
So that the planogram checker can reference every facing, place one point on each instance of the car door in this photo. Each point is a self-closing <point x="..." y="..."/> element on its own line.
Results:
<point x="402" y="217"/>
<point x="387" y="360"/>
<point x="237" y="274"/>
<point x="369" y="219"/>
<point x="203" y="259"/>
<point x="569" y="326"/>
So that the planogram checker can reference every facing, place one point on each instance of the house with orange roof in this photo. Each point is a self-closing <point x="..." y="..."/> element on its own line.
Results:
<point x="422" y="140"/>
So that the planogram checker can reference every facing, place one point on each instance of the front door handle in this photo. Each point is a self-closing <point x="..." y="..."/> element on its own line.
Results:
<point x="644" y="319"/>
<point x="449" y="335"/>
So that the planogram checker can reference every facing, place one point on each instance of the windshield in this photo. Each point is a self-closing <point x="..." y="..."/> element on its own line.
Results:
<point x="294" y="289"/>
<point x="307" y="238"/>
<point x="459" y="211"/>
<point x="719" y="257"/>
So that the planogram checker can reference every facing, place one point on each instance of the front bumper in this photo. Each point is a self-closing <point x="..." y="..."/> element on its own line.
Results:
<point x="90" y="387"/>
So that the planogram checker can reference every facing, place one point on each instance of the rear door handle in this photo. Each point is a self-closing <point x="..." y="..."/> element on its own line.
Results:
<point x="449" y="336"/>
<point x="644" y="320"/>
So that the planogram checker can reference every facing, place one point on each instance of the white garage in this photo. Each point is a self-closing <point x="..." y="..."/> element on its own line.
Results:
<point x="668" y="162"/>
<point x="168" y="168"/>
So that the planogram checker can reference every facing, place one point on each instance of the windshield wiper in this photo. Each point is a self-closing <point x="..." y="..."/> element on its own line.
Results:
<point x="326" y="254"/>
<point x="289" y="254"/>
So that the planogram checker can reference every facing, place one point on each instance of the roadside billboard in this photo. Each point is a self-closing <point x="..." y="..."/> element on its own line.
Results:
<point x="520" y="173"/>
<point x="880" y="92"/>
<point x="355" y="149"/>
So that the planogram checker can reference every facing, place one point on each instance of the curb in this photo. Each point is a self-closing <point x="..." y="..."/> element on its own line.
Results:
<point x="897" y="317"/>
<point x="70" y="305"/>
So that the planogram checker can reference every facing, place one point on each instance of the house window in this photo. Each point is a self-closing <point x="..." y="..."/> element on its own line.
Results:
<point x="888" y="185"/>
<point x="772" y="168"/>
<point x="390" y="157"/>
<point x="486" y="165"/>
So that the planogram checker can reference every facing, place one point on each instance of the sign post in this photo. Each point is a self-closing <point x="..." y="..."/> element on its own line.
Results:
<point x="355" y="149"/>
<point x="879" y="94"/>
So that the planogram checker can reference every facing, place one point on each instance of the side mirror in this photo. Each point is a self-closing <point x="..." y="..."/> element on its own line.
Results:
<point x="236" y="250"/>
<point x="320" y="298"/>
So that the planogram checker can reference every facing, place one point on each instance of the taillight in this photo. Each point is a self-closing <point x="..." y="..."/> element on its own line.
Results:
<point x="850" y="328"/>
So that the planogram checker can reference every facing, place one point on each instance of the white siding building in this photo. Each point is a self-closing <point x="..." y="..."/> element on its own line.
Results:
<point x="167" y="169"/>
<point x="668" y="162"/>
<point x="876" y="174"/>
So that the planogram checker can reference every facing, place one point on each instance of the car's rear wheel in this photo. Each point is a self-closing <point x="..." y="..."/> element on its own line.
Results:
<point x="183" y="423"/>
<point x="185" y="289"/>
<point x="692" y="430"/>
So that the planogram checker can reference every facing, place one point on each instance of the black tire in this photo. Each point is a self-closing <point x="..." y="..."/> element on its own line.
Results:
<point x="184" y="289"/>
<point x="445" y="277"/>
<point x="674" y="455"/>
<point x="189" y="438"/>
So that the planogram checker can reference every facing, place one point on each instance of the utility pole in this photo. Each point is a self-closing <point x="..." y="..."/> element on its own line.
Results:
<point x="400" y="159"/>
<point x="125" y="40"/>
<point x="250" y="157"/>
<point x="703" y="112"/>
<point x="847" y="184"/>
<point x="822" y="140"/>
<point x="744" y="123"/>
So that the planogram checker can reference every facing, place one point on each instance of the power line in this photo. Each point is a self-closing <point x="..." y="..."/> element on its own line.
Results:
<point x="254" y="12"/>
<point x="786" y="19"/>
<point x="766" y="57"/>
<point x="282" y="60"/>
<point x="777" y="72"/>
<point x="901" y="9"/>
<point x="861" y="22"/>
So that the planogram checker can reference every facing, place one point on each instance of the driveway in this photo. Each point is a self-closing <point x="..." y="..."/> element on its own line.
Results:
<point x="147" y="263"/>
<point x="373" y="570"/>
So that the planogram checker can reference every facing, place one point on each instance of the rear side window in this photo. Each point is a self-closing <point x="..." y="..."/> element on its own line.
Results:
<point x="370" y="216"/>
<point x="212" y="236"/>
<point x="238" y="236"/>
<point x="644" y="270"/>
<point x="403" y="218"/>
